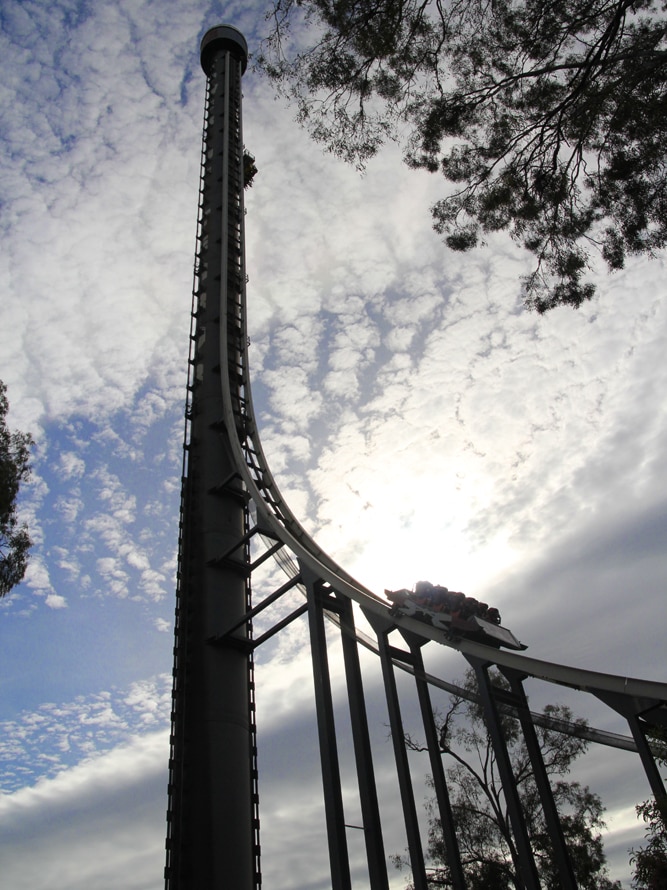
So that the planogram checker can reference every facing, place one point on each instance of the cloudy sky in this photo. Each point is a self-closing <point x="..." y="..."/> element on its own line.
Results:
<point x="419" y="421"/>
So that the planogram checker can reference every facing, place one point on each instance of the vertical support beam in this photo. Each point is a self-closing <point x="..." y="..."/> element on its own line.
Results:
<point x="333" y="797"/>
<point x="647" y="758"/>
<point x="370" y="810"/>
<point x="562" y="858"/>
<point x="382" y="626"/>
<point x="527" y="868"/>
<point x="437" y="769"/>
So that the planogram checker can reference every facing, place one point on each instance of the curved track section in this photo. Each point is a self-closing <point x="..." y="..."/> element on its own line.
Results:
<point x="643" y="703"/>
<point x="642" y="695"/>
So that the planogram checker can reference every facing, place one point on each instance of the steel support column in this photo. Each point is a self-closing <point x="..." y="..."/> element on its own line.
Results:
<point x="526" y="864"/>
<point x="632" y="710"/>
<point x="382" y="626"/>
<point x="333" y="797"/>
<point x="377" y="864"/>
<point x="437" y="770"/>
<point x="647" y="758"/>
<point x="562" y="858"/>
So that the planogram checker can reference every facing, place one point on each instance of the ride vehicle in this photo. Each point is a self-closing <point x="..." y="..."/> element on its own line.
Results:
<point x="456" y="614"/>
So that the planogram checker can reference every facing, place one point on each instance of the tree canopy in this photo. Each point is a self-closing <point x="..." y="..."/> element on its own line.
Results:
<point x="14" y="469"/>
<point x="547" y="117"/>
<point x="488" y="853"/>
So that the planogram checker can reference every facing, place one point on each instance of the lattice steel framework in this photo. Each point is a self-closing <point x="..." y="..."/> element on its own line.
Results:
<point x="233" y="519"/>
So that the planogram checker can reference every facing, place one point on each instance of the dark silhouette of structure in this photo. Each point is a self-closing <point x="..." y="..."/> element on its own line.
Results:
<point x="212" y="790"/>
<point x="233" y="520"/>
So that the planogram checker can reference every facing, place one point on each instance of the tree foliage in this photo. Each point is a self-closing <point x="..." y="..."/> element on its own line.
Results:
<point x="488" y="851"/>
<point x="548" y="117"/>
<point x="650" y="861"/>
<point x="14" y="469"/>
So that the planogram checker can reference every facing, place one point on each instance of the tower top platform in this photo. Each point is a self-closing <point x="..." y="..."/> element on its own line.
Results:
<point x="223" y="37"/>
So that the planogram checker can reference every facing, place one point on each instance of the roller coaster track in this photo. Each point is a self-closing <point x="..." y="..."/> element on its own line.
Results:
<point x="276" y="521"/>
<point x="221" y="431"/>
<point x="642" y="702"/>
<point x="600" y="736"/>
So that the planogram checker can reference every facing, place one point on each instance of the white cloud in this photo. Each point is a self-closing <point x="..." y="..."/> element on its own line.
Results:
<point x="40" y="744"/>
<point x="72" y="464"/>
<point x="56" y="601"/>
<point x="99" y="825"/>
<point x="37" y="575"/>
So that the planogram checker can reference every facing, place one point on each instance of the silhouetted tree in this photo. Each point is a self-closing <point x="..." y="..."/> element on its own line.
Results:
<point x="548" y="116"/>
<point x="650" y="861"/>
<point x="488" y="852"/>
<point x="14" y="469"/>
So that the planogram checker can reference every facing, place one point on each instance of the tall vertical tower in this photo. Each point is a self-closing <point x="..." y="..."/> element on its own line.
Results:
<point x="212" y="817"/>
